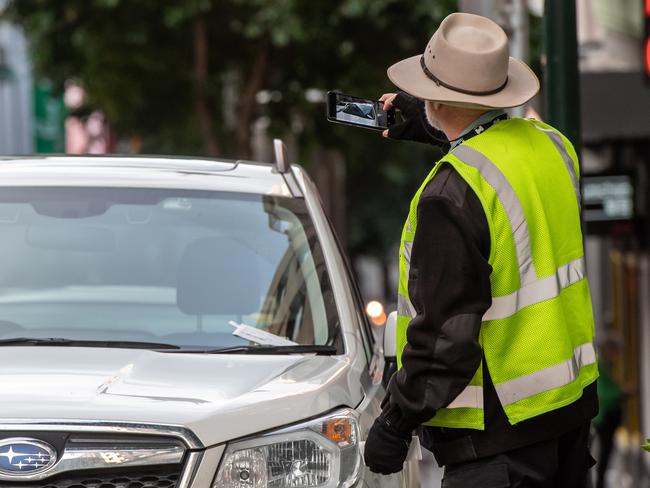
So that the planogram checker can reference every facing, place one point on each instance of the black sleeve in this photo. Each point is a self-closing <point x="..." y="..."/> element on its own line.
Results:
<point x="414" y="125"/>
<point x="449" y="286"/>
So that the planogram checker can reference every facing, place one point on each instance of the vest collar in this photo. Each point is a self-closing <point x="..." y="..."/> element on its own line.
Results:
<point x="484" y="120"/>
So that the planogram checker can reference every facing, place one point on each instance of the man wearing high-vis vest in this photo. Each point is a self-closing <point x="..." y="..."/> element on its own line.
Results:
<point x="496" y="361"/>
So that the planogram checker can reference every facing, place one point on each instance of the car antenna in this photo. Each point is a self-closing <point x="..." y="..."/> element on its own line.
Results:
<point x="281" y="156"/>
<point x="283" y="167"/>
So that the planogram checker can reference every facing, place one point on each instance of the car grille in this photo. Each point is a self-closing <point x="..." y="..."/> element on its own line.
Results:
<point x="165" y="477"/>
<point x="97" y="460"/>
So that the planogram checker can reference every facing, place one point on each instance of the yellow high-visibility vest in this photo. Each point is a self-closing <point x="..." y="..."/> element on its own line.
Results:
<point x="537" y="336"/>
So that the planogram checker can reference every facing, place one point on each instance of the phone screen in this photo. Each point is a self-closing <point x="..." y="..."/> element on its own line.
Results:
<point x="363" y="112"/>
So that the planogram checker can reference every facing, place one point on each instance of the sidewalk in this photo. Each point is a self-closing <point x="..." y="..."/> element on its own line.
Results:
<point x="629" y="466"/>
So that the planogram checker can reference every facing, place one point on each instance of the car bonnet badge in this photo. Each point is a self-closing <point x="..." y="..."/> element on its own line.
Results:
<point x="21" y="456"/>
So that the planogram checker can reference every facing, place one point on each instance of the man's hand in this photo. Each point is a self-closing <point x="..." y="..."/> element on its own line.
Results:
<point x="386" y="447"/>
<point x="388" y="99"/>
<point x="414" y="126"/>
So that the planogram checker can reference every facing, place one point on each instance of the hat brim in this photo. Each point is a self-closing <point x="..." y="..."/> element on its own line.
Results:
<point x="522" y="85"/>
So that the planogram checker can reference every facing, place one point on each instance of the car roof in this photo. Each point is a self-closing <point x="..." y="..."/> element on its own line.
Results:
<point x="143" y="172"/>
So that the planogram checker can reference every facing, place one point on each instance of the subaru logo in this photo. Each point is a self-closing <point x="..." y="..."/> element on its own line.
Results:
<point x="25" y="456"/>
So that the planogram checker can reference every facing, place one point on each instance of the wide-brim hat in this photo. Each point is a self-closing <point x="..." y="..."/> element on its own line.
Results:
<point x="467" y="63"/>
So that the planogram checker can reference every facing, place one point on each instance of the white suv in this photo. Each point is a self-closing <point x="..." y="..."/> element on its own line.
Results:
<point x="174" y="323"/>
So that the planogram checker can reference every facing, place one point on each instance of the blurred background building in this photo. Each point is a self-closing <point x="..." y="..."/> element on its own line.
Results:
<point x="615" y="100"/>
<point x="16" y="89"/>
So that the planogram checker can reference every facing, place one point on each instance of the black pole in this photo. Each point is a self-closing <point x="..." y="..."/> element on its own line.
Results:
<point x="561" y="77"/>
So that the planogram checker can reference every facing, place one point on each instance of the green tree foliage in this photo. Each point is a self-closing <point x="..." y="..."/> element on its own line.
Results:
<point x="183" y="76"/>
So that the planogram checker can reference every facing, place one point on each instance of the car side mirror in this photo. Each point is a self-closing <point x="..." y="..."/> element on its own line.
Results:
<point x="390" y="336"/>
<point x="390" y="348"/>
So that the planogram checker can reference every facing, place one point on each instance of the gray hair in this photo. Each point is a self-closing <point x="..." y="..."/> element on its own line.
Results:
<point x="429" y="107"/>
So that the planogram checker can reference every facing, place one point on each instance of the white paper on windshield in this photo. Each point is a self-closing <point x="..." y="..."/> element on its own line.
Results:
<point x="259" y="336"/>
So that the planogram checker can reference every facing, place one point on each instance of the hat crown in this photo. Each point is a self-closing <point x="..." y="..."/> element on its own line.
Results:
<point x="467" y="63"/>
<point x="469" y="53"/>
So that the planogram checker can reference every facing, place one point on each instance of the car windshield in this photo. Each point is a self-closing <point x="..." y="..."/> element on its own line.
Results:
<point x="196" y="269"/>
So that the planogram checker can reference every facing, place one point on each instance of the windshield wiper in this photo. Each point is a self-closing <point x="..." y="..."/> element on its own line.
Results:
<point x="324" y="350"/>
<point x="60" y="341"/>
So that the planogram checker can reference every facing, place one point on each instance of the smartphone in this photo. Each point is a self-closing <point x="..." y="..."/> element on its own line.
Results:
<point x="362" y="112"/>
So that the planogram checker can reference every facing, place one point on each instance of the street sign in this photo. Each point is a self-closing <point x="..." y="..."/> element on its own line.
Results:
<point x="608" y="204"/>
<point x="49" y="119"/>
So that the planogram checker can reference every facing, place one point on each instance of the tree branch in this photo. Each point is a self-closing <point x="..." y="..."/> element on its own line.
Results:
<point x="201" y="106"/>
<point x="246" y="102"/>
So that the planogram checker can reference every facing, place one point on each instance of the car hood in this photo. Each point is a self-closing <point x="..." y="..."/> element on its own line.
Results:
<point x="218" y="397"/>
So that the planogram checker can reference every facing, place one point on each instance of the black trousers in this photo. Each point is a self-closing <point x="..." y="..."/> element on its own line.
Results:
<point x="563" y="462"/>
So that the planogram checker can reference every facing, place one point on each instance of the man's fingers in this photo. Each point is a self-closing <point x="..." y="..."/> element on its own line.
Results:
<point x="388" y="98"/>
<point x="385" y="133"/>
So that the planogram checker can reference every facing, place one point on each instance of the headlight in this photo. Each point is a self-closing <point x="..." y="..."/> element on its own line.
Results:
<point x="322" y="452"/>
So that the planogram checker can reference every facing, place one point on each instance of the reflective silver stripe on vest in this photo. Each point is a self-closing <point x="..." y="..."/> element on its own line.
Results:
<point x="557" y="141"/>
<point x="470" y="397"/>
<point x="510" y="203"/>
<point x="537" y="291"/>
<point x="531" y="384"/>
<point x="408" y="248"/>
<point x="405" y="307"/>
<point x="548" y="378"/>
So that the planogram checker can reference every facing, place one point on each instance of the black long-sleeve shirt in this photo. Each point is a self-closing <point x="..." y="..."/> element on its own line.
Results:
<point x="449" y="286"/>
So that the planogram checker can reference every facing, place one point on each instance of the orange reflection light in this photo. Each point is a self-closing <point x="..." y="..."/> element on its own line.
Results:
<point x="339" y="431"/>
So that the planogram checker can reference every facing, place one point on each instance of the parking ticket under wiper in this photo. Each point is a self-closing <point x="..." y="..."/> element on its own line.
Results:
<point x="60" y="341"/>
<point x="259" y="336"/>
